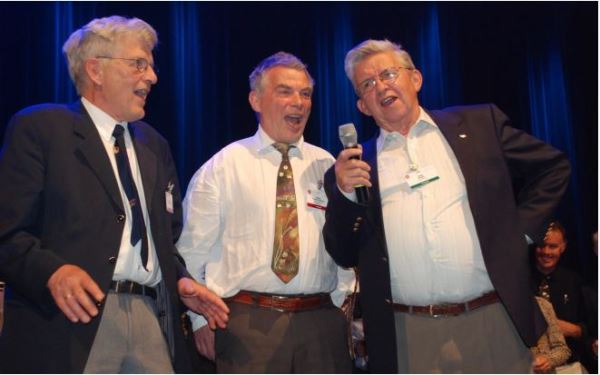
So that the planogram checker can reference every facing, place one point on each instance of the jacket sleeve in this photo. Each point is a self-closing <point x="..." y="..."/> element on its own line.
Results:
<point x="343" y="227"/>
<point x="540" y="171"/>
<point x="24" y="264"/>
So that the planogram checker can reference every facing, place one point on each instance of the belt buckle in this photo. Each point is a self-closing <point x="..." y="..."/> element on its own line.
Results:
<point x="275" y="301"/>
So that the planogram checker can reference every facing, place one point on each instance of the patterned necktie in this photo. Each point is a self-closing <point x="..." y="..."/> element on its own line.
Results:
<point x="286" y="247"/>
<point x="138" y="227"/>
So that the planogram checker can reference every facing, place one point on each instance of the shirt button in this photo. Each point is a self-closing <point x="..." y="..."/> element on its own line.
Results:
<point x="120" y="218"/>
<point x="112" y="260"/>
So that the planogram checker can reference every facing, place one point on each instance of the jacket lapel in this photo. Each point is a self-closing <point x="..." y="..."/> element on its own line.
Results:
<point x="91" y="149"/>
<point x="147" y="162"/>
<point x="460" y="138"/>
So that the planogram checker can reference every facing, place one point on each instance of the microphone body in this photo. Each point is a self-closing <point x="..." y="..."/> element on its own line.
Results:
<point x="349" y="139"/>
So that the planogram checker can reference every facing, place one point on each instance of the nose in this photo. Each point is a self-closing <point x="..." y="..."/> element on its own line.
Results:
<point x="150" y="75"/>
<point x="297" y="100"/>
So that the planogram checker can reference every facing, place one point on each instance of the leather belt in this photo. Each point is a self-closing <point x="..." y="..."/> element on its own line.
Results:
<point x="283" y="303"/>
<point x="451" y="308"/>
<point x="131" y="287"/>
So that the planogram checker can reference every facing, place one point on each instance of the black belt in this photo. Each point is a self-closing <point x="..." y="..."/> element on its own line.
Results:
<point x="130" y="287"/>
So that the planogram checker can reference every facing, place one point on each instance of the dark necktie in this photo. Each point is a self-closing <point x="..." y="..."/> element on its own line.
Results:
<point x="286" y="248"/>
<point x="138" y="227"/>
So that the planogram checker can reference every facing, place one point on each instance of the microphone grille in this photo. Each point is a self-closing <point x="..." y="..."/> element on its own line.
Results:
<point x="348" y="136"/>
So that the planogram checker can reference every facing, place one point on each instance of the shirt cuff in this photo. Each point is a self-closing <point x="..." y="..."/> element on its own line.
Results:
<point x="350" y="196"/>
<point x="198" y="321"/>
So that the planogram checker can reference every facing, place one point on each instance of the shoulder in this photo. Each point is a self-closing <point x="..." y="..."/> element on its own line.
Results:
<point x="316" y="152"/>
<point x="44" y="113"/>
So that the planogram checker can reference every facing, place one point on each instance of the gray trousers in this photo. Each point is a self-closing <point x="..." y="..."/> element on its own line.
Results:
<point x="480" y="341"/>
<point x="259" y="340"/>
<point x="129" y="338"/>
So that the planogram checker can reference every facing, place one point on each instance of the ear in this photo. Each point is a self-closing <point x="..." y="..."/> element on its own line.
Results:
<point x="94" y="71"/>
<point x="362" y="107"/>
<point x="416" y="78"/>
<point x="254" y="100"/>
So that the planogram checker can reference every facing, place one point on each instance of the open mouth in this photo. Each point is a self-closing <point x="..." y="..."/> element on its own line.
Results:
<point x="142" y="93"/>
<point x="294" y="119"/>
<point x="387" y="101"/>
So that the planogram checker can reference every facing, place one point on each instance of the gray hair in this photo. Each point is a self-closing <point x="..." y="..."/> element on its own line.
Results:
<point x="371" y="47"/>
<point x="98" y="38"/>
<point x="279" y="59"/>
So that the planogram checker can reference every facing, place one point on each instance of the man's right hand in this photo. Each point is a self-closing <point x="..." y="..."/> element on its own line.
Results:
<point x="73" y="289"/>
<point x="351" y="172"/>
<point x="204" y="338"/>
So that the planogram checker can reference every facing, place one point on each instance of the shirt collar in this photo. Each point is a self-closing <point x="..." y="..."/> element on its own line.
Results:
<point x="264" y="144"/>
<point x="103" y="121"/>
<point x="386" y="138"/>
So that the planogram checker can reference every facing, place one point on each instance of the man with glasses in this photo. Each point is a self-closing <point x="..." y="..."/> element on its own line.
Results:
<point x="89" y="213"/>
<point x="441" y="246"/>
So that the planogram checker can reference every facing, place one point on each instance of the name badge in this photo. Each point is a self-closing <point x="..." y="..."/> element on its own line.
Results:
<point x="418" y="178"/>
<point x="316" y="196"/>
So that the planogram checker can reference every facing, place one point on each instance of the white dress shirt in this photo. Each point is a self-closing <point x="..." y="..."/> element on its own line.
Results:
<point x="435" y="255"/>
<point x="129" y="262"/>
<point x="229" y="222"/>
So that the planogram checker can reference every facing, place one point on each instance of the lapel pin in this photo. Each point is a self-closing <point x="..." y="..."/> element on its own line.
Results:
<point x="463" y="136"/>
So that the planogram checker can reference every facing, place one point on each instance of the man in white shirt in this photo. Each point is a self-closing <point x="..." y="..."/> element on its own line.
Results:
<point x="89" y="213"/>
<point x="260" y="248"/>
<point x="441" y="246"/>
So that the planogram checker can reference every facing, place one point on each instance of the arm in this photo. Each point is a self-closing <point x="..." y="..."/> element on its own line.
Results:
<point x="559" y="352"/>
<point x="541" y="171"/>
<point x="36" y="273"/>
<point x="201" y="230"/>
<point x="343" y="229"/>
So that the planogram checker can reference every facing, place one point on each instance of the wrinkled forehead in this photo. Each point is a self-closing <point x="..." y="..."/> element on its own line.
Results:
<point x="374" y="64"/>
<point x="283" y="75"/>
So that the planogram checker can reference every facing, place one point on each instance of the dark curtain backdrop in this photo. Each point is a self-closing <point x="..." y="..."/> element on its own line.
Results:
<point x="537" y="61"/>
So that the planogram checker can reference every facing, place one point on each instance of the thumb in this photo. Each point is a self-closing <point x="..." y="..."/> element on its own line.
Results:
<point x="186" y="287"/>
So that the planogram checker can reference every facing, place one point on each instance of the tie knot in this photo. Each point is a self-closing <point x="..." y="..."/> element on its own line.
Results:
<point x="282" y="147"/>
<point x="118" y="132"/>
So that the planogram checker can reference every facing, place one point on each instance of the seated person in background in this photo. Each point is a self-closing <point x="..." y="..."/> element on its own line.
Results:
<point x="551" y="350"/>
<point x="562" y="287"/>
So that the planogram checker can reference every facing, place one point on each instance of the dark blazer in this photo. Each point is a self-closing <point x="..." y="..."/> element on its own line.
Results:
<point x="60" y="204"/>
<point x="494" y="158"/>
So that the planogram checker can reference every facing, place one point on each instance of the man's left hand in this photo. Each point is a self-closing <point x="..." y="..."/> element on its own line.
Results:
<point x="201" y="300"/>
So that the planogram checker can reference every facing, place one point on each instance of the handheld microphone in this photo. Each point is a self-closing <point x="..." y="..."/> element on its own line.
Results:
<point x="349" y="139"/>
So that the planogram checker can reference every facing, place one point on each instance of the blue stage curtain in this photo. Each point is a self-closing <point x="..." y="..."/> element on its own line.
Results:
<point x="537" y="61"/>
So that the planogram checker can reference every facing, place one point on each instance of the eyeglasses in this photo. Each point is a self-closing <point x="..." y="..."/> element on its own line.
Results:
<point x="389" y="75"/>
<point x="141" y="64"/>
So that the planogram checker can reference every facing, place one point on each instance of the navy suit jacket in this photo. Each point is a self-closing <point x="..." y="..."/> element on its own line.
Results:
<point x="494" y="158"/>
<point x="60" y="204"/>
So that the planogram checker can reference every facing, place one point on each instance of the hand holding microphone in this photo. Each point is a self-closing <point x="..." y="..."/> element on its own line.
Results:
<point x="351" y="172"/>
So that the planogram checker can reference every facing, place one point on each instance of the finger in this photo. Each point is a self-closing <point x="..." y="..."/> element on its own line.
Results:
<point x="77" y="309"/>
<point x="66" y="310"/>
<point x="89" y="285"/>
<point x="85" y="301"/>
<point x="348" y="153"/>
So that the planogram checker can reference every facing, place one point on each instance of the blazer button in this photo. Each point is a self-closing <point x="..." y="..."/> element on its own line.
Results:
<point x="355" y="229"/>
<point x="388" y="301"/>
<point x="112" y="260"/>
<point x="384" y="259"/>
<point x="120" y="218"/>
<point x="161" y="313"/>
<point x="359" y="219"/>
